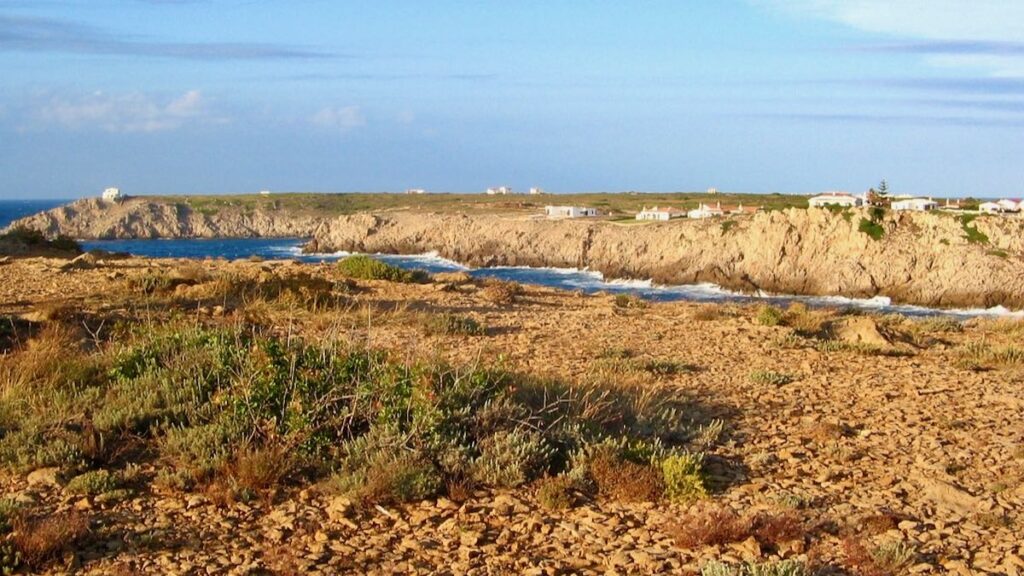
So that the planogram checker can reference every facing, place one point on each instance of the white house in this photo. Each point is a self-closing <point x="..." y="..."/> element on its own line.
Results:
<point x="415" y="191"/>
<point x="500" y="190"/>
<point x="915" y="205"/>
<point x="712" y="190"/>
<point x="569" y="211"/>
<point x="656" y="213"/>
<point x="836" y="199"/>
<point x="1011" y="205"/>
<point x="264" y="192"/>
<point x="706" y="211"/>
<point x="1001" y="206"/>
<point x="536" y="191"/>
<point x="112" y="194"/>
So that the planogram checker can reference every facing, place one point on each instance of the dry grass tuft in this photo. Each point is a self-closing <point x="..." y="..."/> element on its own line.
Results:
<point x="715" y="526"/>
<point x="625" y="481"/>
<point x="42" y="540"/>
<point x="501" y="292"/>
<point x="710" y="527"/>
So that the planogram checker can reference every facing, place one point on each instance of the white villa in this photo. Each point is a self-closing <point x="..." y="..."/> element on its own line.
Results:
<point x="415" y="191"/>
<point x="1002" y="206"/>
<point x="264" y="192"/>
<point x="709" y="211"/>
<point x="836" y="199"/>
<point x="112" y="194"/>
<point x="914" y="205"/>
<point x="706" y="211"/>
<point x="569" y="212"/>
<point x="536" y="191"/>
<point x="499" y="191"/>
<point x="656" y="213"/>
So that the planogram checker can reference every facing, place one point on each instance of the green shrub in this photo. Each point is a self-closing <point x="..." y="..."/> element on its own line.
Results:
<point x="873" y="229"/>
<point x="781" y="568"/>
<point x="628" y="301"/>
<point x="556" y="492"/>
<point x="509" y="459"/>
<point x="367" y="268"/>
<point x="92" y="483"/>
<point x="728" y="225"/>
<point x="971" y="233"/>
<point x="684" y="477"/>
<point x="240" y="409"/>
<point x="769" y="316"/>
<point x="770" y="377"/>
<point x="452" y="325"/>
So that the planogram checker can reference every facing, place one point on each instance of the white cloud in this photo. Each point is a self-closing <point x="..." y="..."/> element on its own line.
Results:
<point x="979" y="21"/>
<point x="343" y="119"/>
<point x="131" y="112"/>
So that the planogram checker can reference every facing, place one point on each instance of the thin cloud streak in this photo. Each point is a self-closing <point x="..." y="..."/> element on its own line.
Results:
<point x="949" y="47"/>
<point x="31" y="34"/>
<point x="891" y="119"/>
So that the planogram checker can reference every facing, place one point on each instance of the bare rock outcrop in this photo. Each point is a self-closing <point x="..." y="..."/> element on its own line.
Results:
<point x="921" y="259"/>
<point x="93" y="218"/>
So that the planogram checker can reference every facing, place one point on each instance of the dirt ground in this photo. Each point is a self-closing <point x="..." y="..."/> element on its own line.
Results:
<point x="901" y="443"/>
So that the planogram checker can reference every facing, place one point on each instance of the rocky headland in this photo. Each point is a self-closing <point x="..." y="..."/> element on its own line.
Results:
<point x="928" y="259"/>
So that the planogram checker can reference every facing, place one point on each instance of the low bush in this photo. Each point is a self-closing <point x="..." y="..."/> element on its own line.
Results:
<point x="452" y="325"/>
<point x="780" y="568"/>
<point x="367" y="268"/>
<point x="93" y="483"/>
<point x="629" y="301"/>
<point x="683" y="477"/>
<point x="769" y="316"/>
<point x="501" y="292"/>
<point x="556" y="492"/>
<point x="243" y="411"/>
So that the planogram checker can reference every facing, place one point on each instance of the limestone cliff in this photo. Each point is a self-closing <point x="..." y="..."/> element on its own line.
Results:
<point x="143" y="218"/>
<point x="921" y="258"/>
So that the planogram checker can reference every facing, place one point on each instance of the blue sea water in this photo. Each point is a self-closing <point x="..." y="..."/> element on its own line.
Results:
<point x="585" y="281"/>
<point x="11" y="210"/>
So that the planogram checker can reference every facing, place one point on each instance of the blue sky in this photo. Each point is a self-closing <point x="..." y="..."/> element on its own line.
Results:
<point x="212" y="96"/>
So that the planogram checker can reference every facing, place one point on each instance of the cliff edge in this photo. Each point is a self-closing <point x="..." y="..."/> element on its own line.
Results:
<point x="929" y="259"/>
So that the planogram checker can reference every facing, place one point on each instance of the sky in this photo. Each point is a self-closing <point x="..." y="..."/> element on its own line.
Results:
<point x="231" y="96"/>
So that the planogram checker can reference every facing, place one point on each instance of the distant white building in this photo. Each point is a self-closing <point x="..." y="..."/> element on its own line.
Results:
<point x="914" y="205"/>
<point x="264" y="192"/>
<point x="1002" y="206"/>
<point x="415" y="191"/>
<point x="663" y="214"/>
<point x="706" y="211"/>
<point x="836" y="199"/>
<point x="536" y="191"/>
<point x="112" y="194"/>
<point x="1011" y="205"/>
<point x="712" y="190"/>
<point x="499" y="191"/>
<point x="569" y="211"/>
<point x="709" y="211"/>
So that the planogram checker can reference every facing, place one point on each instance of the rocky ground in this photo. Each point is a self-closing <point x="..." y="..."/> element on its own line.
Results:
<point x="890" y="440"/>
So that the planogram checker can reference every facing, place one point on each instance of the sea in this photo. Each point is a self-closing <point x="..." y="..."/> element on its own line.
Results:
<point x="585" y="281"/>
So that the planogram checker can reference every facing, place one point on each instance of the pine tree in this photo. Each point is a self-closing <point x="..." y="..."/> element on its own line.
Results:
<point x="883" y="189"/>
